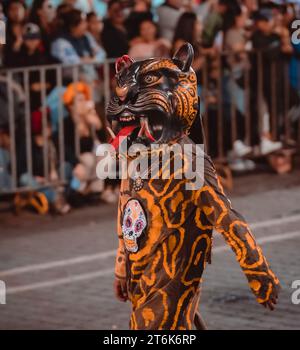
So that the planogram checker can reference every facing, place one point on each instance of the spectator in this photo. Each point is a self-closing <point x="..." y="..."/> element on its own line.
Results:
<point x="43" y="14"/>
<point x="237" y="62"/>
<point x="86" y="122"/>
<point x="266" y="39"/>
<point x="214" y="22"/>
<point x="95" y="27"/>
<point x="140" y="12"/>
<point x="38" y="179"/>
<point x="15" y="12"/>
<point x="114" y="35"/>
<point x="74" y="46"/>
<point x="189" y="29"/>
<point x="58" y="23"/>
<point x="32" y="54"/>
<point x="147" y="44"/>
<point x="203" y="9"/>
<point x="70" y="3"/>
<point x="168" y="16"/>
<point x="2" y="18"/>
<point x="5" y="177"/>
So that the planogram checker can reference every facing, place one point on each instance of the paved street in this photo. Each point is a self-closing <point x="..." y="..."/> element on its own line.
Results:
<point x="58" y="271"/>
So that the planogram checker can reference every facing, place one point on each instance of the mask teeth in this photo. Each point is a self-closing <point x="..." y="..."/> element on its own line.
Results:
<point x="111" y="133"/>
<point x="145" y="128"/>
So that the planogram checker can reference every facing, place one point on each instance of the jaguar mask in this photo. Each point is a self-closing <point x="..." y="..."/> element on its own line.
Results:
<point x="155" y="99"/>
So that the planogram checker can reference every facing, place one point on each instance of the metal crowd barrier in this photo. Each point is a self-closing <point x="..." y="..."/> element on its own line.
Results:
<point x="251" y="87"/>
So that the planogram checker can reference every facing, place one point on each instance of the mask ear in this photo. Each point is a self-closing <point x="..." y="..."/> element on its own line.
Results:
<point x="123" y="62"/>
<point x="184" y="57"/>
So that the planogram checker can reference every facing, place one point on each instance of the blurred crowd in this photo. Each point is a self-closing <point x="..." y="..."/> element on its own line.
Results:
<point x="226" y="36"/>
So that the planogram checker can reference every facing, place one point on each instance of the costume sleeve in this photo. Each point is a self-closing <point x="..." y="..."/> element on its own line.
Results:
<point x="217" y="209"/>
<point x="120" y="265"/>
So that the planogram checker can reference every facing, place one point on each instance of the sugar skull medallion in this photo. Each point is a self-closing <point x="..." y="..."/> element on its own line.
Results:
<point x="134" y="223"/>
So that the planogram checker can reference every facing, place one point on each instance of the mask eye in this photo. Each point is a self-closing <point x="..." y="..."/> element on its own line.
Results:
<point x="151" y="78"/>
<point x="128" y="222"/>
<point x="138" y="226"/>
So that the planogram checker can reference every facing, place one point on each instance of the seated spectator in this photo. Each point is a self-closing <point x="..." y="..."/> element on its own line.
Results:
<point x="38" y="179"/>
<point x="140" y="12"/>
<point x="74" y="46"/>
<point x="70" y="3"/>
<point x="15" y="12"/>
<point x="33" y="54"/>
<point x="168" y="16"/>
<point x="189" y="29"/>
<point x="114" y="35"/>
<point x="78" y="100"/>
<point x="147" y="44"/>
<point x="43" y="14"/>
<point x="58" y="23"/>
<point x="95" y="26"/>
<point x="86" y="124"/>
<point x="5" y="177"/>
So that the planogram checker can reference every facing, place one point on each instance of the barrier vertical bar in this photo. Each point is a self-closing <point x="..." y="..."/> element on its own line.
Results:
<point x="247" y="106"/>
<point x="12" y="130"/>
<point x="106" y="83"/>
<point x="77" y="137"/>
<point x="61" y="142"/>
<point x="233" y="114"/>
<point x="287" y="130"/>
<point x="260" y="91"/>
<point x="273" y="101"/>
<point x="28" y="124"/>
<point x="220" y="112"/>
<point x="205" y="94"/>
<point x="44" y="124"/>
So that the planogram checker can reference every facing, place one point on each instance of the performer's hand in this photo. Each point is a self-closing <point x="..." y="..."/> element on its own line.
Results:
<point x="270" y="304"/>
<point x="120" y="288"/>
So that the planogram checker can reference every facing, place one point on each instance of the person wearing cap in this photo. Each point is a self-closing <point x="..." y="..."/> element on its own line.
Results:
<point x="33" y="54"/>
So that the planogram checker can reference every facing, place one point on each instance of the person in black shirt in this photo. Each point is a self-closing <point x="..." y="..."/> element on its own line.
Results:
<point x="114" y="35"/>
<point x="43" y="14"/>
<point x="32" y="53"/>
<point x="15" y="12"/>
<point x="141" y="12"/>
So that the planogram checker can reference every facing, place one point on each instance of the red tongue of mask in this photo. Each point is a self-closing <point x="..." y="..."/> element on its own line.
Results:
<point x="124" y="132"/>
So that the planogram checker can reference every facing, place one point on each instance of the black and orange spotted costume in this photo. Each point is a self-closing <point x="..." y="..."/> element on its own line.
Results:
<point x="165" y="231"/>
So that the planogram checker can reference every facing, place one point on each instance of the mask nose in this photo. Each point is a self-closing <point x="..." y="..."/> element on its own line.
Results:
<point x="122" y="92"/>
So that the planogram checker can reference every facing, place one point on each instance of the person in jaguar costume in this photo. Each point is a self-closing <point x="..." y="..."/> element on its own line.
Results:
<point x="164" y="229"/>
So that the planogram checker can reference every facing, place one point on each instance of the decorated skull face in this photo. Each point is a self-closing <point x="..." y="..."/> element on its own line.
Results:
<point x="134" y="223"/>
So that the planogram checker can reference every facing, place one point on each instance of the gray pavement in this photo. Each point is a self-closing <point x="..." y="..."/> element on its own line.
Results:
<point x="58" y="271"/>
